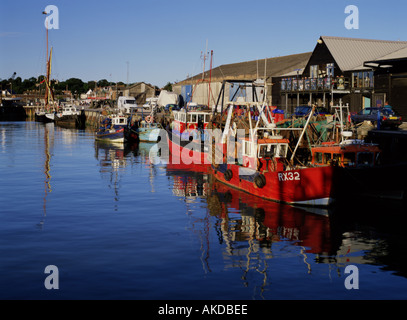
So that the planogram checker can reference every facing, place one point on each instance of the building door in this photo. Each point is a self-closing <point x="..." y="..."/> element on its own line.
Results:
<point x="398" y="96"/>
<point x="378" y="100"/>
<point x="356" y="102"/>
<point x="186" y="93"/>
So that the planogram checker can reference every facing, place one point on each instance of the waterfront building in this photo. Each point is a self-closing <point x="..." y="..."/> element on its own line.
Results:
<point x="360" y="72"/>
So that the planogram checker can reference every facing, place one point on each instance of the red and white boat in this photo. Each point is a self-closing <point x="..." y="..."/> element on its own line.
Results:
<point x="261" y="167"/>
<point x="266" y="172"/>
<point x="186" y="136"/>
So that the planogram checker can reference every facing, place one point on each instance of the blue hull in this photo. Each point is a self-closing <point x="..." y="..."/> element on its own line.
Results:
<point x="108" y="135"/>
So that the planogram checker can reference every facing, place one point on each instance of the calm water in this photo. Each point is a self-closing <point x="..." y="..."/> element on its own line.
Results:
<point x="119" y="226"/>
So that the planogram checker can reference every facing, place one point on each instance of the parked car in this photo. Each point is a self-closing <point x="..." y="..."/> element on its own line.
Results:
<point x="388" y="117"/>
<point x="302" y="111"/>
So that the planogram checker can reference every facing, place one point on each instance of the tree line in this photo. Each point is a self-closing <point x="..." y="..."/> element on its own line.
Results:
<point x="75" y="85"/>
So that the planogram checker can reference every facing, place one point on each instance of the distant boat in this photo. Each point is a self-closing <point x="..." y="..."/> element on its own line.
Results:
<point x="143" y="131"/>
<point x="112" y="128"/>
<point x="46" y="113"/>
<point x="149" y="132"/>
<point x="68" y="116"/>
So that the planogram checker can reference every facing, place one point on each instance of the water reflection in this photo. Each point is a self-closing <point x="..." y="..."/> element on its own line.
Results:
<point x="112" y="162"/>
<point x="48" y="142"/>
<point x="115" y="157"/>
<point x="251" y="232"/>
<point x="370" y="232"/>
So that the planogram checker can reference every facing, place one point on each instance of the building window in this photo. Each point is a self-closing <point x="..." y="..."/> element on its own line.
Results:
<point x="283" y="85"/>
<point x="330" y="67"/>
<point x="327" y="83"/>
<point x="301" y="84"/>
<point x="307" y="84"/>
<point x="368" y="79"/>
<point x="313" y="84"/>
<point x="360" y="80"/>
<point x="288" y="84"/>
<point x="295" y="84"/>
<point x="363" y="79"/>
<point x="314" y="72"/>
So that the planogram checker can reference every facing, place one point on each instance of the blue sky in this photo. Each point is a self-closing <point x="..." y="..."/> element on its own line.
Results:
<point x="160" y="41"/>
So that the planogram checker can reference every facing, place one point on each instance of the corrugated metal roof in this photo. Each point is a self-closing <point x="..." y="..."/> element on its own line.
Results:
<point x="350" y="53"/>
<point x="399" y="54"/>
<point x="250" y="70"/>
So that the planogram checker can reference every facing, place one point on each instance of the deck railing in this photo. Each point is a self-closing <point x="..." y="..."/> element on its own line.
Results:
<point x="326" y="84"/>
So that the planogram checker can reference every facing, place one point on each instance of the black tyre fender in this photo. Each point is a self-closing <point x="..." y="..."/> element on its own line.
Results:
<point x="228" y="175"/>
<point x="260" y="181"/>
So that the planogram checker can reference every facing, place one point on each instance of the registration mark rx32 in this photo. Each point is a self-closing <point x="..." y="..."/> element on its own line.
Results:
<point x="289" y="176"/>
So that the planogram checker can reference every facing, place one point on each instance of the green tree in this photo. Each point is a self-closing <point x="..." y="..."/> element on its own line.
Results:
<point x="168" y="86"/>
<point x="75" y="85"/>
<point x="103" y="83"/>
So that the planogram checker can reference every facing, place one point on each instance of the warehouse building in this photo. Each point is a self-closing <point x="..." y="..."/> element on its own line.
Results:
<point x="360" y="72"/>
<point x="204" y="88"/>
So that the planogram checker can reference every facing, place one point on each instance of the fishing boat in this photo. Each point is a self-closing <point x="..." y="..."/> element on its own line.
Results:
<point x="266" y="171"/>
<point x="144" y="131"/>
<point x="149" y="132"/>
<point x="359" y="169"/>
<point x="188" y="136"/>
<point x="112" y="128"/>
<point x="260" y="158"/>
<point x="46" y="114"/>
<point x="67" y="116"/>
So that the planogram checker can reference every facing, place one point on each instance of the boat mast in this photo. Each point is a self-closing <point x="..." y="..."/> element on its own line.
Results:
<point x="48" y="91"/>
<point x="302" y="133"/>
<point x="210" y="78"/>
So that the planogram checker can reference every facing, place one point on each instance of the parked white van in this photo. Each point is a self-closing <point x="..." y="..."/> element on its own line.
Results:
<point x="127" y="105"/>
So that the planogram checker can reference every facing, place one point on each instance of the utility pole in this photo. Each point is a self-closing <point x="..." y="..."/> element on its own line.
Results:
<point x="127" y="72"/>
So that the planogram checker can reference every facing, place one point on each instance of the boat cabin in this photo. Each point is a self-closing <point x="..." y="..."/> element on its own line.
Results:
<point x="351" y="153"/>
<point x="68" y="110"/>
<point x="260" y="150"/>
<point x="114" y="121"/>
<point x="119" y="120"/>
<point x="192" y="120"/>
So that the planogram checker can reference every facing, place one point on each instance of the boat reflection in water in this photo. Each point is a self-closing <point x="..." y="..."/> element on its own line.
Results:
<point x="268" y="221"/>
<point x="112" y="163"/>
<point x="246" y="226"/>
<point x="48" y="144"/>
<point x="253" y="234"/>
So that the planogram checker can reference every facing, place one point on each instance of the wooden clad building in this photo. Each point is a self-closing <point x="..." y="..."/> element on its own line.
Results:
<point x="348" y="69"/>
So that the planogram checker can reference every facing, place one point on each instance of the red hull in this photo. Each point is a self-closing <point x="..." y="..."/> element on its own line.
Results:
<point x="309" y="186"/>
<point x="186" y="156"/>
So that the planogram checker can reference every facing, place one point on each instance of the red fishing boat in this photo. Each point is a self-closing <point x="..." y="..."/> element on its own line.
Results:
<point x="266" y="172"/>
<point x="359" y="170"/>
<point x="186" y="136"/>
<point x="257" y="164"/>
